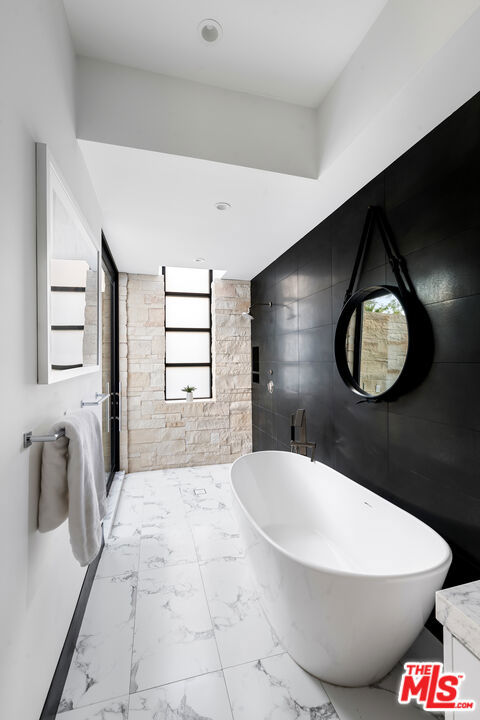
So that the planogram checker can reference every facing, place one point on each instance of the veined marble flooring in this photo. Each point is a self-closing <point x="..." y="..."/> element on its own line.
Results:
<point x="174" y="629"/>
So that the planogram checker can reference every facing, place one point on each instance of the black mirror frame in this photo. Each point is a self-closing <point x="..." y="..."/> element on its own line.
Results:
<point x="420" y="343"/>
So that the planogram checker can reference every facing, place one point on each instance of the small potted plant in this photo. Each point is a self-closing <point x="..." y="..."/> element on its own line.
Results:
<point x="189" y="389"/>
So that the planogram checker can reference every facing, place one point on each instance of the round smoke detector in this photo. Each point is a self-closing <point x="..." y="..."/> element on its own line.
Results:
<point x="222" y="206"/>
<point x="210" y="31"/>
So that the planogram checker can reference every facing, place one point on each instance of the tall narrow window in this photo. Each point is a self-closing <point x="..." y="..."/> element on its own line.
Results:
<point x="188" y="332"/>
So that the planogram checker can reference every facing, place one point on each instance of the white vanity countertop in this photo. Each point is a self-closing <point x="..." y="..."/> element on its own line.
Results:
<point x="458" y="609"/>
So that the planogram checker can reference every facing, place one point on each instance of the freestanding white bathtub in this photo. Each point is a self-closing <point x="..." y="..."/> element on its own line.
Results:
<point x="347" y="579"/>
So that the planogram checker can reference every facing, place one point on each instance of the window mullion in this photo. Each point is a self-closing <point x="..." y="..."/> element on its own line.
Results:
<point x="172" y="329"/>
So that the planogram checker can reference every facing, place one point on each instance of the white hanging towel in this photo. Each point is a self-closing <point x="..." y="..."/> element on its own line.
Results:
<point x="73" y="484"/>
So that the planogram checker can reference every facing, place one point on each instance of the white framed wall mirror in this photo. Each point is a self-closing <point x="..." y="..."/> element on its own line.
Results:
<point x="68" y="287"/>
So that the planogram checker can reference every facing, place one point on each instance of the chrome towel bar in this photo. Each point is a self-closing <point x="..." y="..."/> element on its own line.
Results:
<point x="99" y="399"/>
<point x="29" y="438"/>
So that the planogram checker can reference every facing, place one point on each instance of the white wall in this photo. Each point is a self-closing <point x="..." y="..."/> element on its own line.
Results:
<point x="40" y="578"/>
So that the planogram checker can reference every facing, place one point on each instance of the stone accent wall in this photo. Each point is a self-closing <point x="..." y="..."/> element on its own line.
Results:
<point x="159" y="434"/>
<point x="123" y="368"/>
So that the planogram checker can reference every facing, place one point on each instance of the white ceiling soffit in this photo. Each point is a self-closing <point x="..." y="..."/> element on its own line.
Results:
<point x="159" y="208"/>
<point x="290" y="50"/>
<point x="120" y="105"/>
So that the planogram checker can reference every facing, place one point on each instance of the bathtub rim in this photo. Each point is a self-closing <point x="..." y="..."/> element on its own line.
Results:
<point x="444" y="564"/>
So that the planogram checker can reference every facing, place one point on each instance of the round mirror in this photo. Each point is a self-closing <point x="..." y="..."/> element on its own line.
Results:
<point x="372" y="341"/>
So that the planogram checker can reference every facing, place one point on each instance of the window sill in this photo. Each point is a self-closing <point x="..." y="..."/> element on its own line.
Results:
<point x="186" y="402"/>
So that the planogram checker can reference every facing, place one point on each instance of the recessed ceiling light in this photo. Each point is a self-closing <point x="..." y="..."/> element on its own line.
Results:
<point x="199" y="260"/>
<point x="223" y="206"/>
<point x="210" y="31"/>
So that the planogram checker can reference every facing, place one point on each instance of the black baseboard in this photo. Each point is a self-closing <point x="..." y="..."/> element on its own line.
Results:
<point x="55" y="691"/>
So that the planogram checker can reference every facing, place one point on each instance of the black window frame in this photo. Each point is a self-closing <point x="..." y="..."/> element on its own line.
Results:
<point x="108" y="262"/>
<point x="191" y="330"/>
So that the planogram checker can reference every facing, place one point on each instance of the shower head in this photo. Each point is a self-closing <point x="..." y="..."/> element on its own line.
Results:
<point x="249" y="313"/>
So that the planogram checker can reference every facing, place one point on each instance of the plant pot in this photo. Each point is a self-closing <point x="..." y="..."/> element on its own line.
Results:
<point x="189" y="397"/>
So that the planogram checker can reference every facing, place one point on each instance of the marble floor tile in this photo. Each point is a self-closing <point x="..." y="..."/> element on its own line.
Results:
<point x="206" y="495"/>
<point x="174" y="637"/>
<point x="221" y="473"/>
<point x="100" y="666"/>
<point x="199" y="698"/>
<point x="216" y="535"/>
<point x="119" y="557"/>
<point x="170" y="477"/>
<point x="134" y="491"/>
<point x="198" y="471"/>
<point x="134" y="482"/>
<point x="116" y="709"/>
<point x="166" y="504"/>
<point x="378" y="702"/>
<point x="128" y="518"/>
<point x="197" y="610"/>
<point x="241" y="629"/>
<point x="170" y="544"/>
<point x="277" y="689"/>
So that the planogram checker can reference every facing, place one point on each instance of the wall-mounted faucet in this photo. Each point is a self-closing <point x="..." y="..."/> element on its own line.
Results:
<point x="300" y="446"/>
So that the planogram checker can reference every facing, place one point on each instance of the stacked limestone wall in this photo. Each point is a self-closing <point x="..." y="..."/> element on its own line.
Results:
<point x="156" y="433"/>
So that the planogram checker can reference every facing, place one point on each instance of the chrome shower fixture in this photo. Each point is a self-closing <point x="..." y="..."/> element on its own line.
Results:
<point x="249" y="314"/>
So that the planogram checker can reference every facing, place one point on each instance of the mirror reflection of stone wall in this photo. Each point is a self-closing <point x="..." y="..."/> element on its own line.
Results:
<point x="73" y="293"/>
<point x="90" y="338"/>
<point x="383" y="343"/>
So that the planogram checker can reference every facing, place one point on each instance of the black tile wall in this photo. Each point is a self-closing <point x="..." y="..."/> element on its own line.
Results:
<point x="422" y="451"/>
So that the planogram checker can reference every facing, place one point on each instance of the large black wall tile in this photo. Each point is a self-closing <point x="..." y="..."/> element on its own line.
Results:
<point x="315" y="386"/>
<point x="433" y="473"/>
<point x="450" y="394"/>
<point x="447" y="270"/>
<point x="316" y="344"/>
<point x="286" y="263"/>
<point x="285" y="394"/>
<point x="316" y="274"/>
<point x="285" y="346"/>
<point x="361" y="437"/>
<point x="422" y="451"/>
<point x="263" y="441"/>
<point x="286" y="289"/>
<point x="282" y="428"/>
<point x="453" y="145"/>
<point x="264" y="420"/>
<point x="311" y="245"/>
<point x="286" y="318"/>
<point x="315" y="310"/>
<point x="456" y="327"/>
<point x="260" y="394"/>
<point x="444" y="453"/>
<point x="444" y="209"/>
